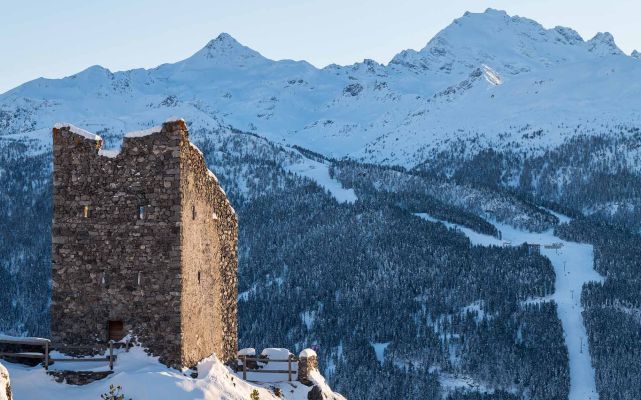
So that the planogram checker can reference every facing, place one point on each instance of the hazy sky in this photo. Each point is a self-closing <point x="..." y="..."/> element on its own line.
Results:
<point x="58" y="38"/>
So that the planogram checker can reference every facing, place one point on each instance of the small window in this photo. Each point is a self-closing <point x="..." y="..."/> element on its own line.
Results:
<point x="85" y="211"/>
<point x="103" y="279"/>
<point x="198" y="276"/>
<point x="116" y="330"/>
<point x="214" y="216"/>
<point x="193" y="212"/>
<point x="141" y="212"/>
<point x="139" y="278"/>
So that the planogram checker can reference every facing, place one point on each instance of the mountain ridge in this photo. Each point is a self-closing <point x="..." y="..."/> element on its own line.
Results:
<point x="533" y="79"/>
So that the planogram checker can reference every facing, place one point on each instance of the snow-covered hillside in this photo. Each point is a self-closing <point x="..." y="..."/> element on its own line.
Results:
<point x="573" y="266"/>
<point x="488" y="79"/>
<point x="143" y="377"/>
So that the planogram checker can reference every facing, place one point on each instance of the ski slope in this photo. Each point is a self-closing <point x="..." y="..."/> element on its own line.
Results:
<point x="319" y="172"/>
<point x="573" y="266"/>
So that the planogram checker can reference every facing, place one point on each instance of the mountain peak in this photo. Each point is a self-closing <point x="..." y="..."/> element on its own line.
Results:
<point x="603" y="44"/>
<point x="494" y="11"/>
<point x="224" y="49"/>
<point x="224" y="39"/>
<point x="510" y="44"/>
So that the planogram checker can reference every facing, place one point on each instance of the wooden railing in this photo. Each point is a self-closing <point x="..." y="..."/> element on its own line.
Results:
<point x="44" y="355"/>
<point x="289" y="361"/>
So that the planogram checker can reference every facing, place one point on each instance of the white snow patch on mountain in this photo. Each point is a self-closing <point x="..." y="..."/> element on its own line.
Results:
<point x="491" y="76"/>
<point x="379" y="350"/>
<point x="319" y="172"/>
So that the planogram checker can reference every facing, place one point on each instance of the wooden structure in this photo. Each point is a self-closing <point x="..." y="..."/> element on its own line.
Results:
<point x="44" y="354"/>
<point x="249" y="363"/>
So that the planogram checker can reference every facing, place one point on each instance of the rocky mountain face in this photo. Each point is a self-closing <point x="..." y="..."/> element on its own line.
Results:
<point x="496" y="119"/>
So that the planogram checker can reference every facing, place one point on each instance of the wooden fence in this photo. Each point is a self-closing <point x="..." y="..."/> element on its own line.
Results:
<point x="44" y="355"/>
<point x="244" y="359"/>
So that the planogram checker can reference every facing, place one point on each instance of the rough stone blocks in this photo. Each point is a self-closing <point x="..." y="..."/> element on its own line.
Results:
<point x="144" y="242"/>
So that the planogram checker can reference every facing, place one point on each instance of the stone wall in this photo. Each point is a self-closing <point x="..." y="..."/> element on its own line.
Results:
<point x="114" y="265"/>
<point x="209" y="242"/>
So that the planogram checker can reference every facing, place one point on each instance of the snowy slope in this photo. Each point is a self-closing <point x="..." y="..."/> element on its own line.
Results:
<point x="573" y="265"/>
<point x="143" y="377"/>
<point x="488" y="79"/>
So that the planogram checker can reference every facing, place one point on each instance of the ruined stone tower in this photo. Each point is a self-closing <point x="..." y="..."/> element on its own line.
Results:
<point x="144" y="241"/>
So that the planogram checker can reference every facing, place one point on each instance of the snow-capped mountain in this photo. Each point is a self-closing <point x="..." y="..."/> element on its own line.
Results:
<point x="497" y="121"/>
<point x="488" y="79"/>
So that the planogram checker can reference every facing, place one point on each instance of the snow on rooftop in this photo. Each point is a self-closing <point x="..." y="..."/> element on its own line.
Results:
<point x="173" y="119"/>
<point x="307" y="353"/>
<point x="144" y="132"/>
<point x="77" y="131"/>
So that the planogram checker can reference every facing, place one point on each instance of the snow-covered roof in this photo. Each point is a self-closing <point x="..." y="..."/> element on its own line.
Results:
<point x="307" y="353"/>
<point x="77" y="131"/>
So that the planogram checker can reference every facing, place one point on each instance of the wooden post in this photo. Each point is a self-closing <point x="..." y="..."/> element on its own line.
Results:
<point x="46" y="356"/>
<point x="289" y="367"/>
<point x="244" y="367"/>
<point x="111" y="355"/>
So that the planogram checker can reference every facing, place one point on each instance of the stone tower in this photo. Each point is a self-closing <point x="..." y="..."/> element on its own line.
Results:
<point x="144" y="242"/>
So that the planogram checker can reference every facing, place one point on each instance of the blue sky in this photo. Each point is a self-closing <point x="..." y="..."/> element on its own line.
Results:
<point x="58" y="38"/>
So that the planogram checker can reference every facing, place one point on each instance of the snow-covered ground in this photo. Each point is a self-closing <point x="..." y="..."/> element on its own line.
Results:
<point x="573" y="265"/>
<point x="143" y="377"/>
<point x="319" y="172"/>
<point x="450" y="382"/>
<point x="379" y="350"/>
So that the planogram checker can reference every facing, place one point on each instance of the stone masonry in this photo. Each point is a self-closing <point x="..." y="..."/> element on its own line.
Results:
<point x="307" y="362"/>
<point x="144" y="241"/>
